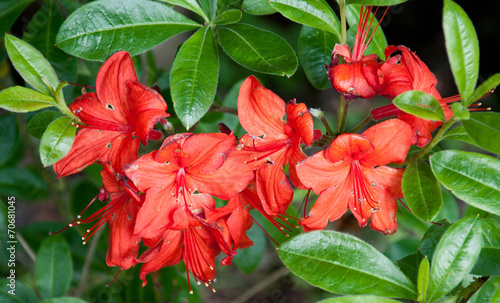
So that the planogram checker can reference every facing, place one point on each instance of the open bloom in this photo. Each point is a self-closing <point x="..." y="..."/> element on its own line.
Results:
<point x="351" y="173"/>
<point x="117" y="117"/>
<point x="357" y="76"/>
<point x="272" y="142"/>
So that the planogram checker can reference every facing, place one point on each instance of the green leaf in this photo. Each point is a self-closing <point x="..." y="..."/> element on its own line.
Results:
<point x="5" y="255"/>
<point x="359" y="299"/>
<point x="423" y="279"/>
<point x="375" y="2"/>
<point x="378" y="43"/>
<point x="474" y="178"/>
<point x="484" y="129"/>
<point x="19" y="292"/>
<point x="431" y="238"/>
<point x="228" y="17"/>
<point x="455" y="255"/>
<point x="450" y="210"/>
<point x="22" y="183"/>
<point x="487" y="263"/>
<point x="462" y="47"/>
<point x="191" y="5"/>
<point x="9" y="11"/>
<point x="257" y="7"/>
<point x="315" y="52"/>
<point x="39" y="123"/>
<point x="420" y="104"/>
<point x="460" y="112"/>
<point x="20" y="99"/>
<point x="57" y="140"/>
<point x="64" y="300"/>
<point x="98" y="29"/>
<point x="343" y="264"/>
<point x="409" y="265"/>
<point x="194" y="77"/>
<point x="422" y="191"/>
<point x="248" y="259"/>
<point x="53" y="267"/>
<point x="313" y="13"/>
<point x="459" y="133"/>
<point x="9" y="139"/>
<point x="41" y="34"/>
<point x="486" y="87"/>
<point x="31" y="65"/>
<point x="251" y="47"/>
<point x="488" y="293"/>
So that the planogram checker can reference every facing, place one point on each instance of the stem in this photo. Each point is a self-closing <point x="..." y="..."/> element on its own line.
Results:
<point x="344" y="116"/>
<point x="223" y="109"/>
<point x="466" y="293"/>
<point x="88" y="261"/>
<point x="360" y="125"/>
<point x="343" y="23"/>
<point x="329" y="130"/>
<point x="439" y="136"/>
<point x="26" y="246"/>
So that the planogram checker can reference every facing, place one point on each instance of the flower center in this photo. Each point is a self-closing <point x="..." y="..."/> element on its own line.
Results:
<point x="363" y="192"/>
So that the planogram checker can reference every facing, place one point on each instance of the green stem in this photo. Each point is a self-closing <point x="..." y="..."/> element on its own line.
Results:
<point x="439" y="136"/>
<point x="360" y="125"/>
<point x="466" y="293"/>
<point x="344" y="116"/>
<point x="329" y="130"/>
<point x="343" y="23"/>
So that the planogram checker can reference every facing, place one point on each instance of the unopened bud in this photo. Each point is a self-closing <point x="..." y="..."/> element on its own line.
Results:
<point x="316" y="113"/>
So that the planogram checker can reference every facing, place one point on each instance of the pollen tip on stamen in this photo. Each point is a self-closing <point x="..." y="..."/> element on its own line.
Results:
<point x="70" y="225"/>
<point x="213" y="290"/>
<point x="211" y="268"/>
<point x="191" y="292"/>
<point x="206" y="284"/>
<point x="50" y="233"/>
<point x="198" y="283"/>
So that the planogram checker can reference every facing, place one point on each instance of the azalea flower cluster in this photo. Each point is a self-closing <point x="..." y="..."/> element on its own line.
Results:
<point x="165" y="199"/>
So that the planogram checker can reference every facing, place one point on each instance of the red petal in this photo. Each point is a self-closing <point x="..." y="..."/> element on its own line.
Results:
<point x="111" y="84"/>
<point x="97" y="114"/>
<point x="384" y="220"/>
<point x="123" y="244"/>
<point x="260" y="111"/>
<point x="331" y="205"/>
<point x="200" y="250"/>
<point x="318" y="173"/>
<point x="295" y="155"/>
<point x="274" y="189"/>
<point x="300" y="120"/>
<point x="147" y="107"/>
<point x="169" y="253"/>
<point x="348" y="147"/>
<point x="205" y="153"/>
<point x="146" y="172"/>
<point x="391" y="139"/>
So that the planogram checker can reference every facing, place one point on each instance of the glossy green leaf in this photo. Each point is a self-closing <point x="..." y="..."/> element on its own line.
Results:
<point x="487" y="263"/>
<point x="210" y="7"/>
<point x="191" y="5"/>
<point x="359" y="299"/>
<point x="258" y="50"/>
<point x="31" y="65"/>
<point x="20" y="99"/>
<point x="460" y="112"/>
<point x="449" y="211"/>
<point x="315" y="52"/>
<point x="409" y="266"/>
<point x="194" y="77"/>
<point x="482" y="90"/>
<point x="484" y="129"/>
<point x="455" y="255"/>
<point x="462" y="47"/>
<point x="21" y="293"/>
<point x="375" y="2"/>
<point x="9" y="11"/>
<point x="57" y="140"/>
<point x="64" y="300"/>
<point x="422" y="191"/>
<point x="331" y="261"/>
<point x="22" y="183"/>
<point x="41" y="33"/>
<point x="420" y="104"/>
<point x="248" y="259"/>
<point x="39" y="123"/>
<point x="98" y="29"/>
<point x="379" y="42"/>
<point x="401" y="248"/>
<point x="313" y="13"/>
<point x="472" y="177"/>
<point x="489" y="292"/>
<point x="459" y="133"/>
<point x="5" y="236"/>
<point x="423" y="279"/>
<point x="53" y="267"/>
<point x="257" y="7"/>
<point x="9" y="139"/>
<point x="228" y="17"/>
<point x="431" y="238"/>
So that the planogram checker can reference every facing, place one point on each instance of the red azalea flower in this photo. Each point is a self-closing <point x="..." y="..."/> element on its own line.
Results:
<point x="121" y="113"/>
<point x="272" y="142"/>
<point x="350" y="173"/>
<point x="196" y="245"/>
<point x="357" y="76"/>
<point x="180" y="178"/>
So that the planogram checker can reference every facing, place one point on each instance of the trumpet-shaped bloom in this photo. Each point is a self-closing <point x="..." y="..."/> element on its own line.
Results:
<point x="117" y="117"/>
<point x="357" y="76"/>
<point x="272" y="142"/>
<point x="351" y="173"/>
